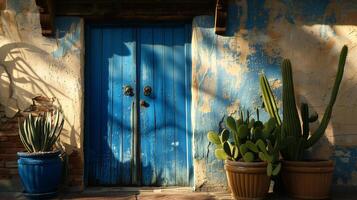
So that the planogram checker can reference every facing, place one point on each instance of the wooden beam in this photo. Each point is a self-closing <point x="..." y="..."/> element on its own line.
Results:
<point x="220" y="21"/>
<point x="134" y="8"/>
<point x="2" y="4"/>
<point x="46" y="9"/>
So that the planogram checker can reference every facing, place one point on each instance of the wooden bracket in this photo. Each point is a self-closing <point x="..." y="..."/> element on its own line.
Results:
<point x="2" y="4"/>
<point x="46" y="8"/>
<point x="220" y="21"/>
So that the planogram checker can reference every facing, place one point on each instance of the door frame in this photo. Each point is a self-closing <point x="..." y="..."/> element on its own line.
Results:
<point x="136" y="129"/>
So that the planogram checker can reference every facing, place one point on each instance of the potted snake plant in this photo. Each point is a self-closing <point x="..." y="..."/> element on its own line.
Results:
<point x="40" y="168"/>
<point x="251" y="154"/>
<point x="303" y="179"/>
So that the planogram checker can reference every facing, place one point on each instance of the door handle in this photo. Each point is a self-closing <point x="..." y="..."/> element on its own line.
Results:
<point x="147" y="90"/>
<point x="128" y="90"/>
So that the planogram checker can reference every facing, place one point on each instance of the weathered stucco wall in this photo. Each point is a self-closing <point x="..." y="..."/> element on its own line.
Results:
<point x="260" y="34"/>
<point x="224" y="72"/>
<point x="32" y="65"/>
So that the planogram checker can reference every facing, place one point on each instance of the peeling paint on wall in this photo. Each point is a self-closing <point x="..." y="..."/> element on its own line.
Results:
<point x="345" y="165"/>
<point x="68" y="36"/>
<point x="259" y="35"/>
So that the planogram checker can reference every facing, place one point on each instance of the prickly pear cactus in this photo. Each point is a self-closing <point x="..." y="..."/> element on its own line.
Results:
<point x="248" y="140"/>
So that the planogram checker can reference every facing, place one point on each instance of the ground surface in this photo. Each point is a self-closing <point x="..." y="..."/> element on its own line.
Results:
<point x="117" y="193"/>
<point x="131" y="194"/>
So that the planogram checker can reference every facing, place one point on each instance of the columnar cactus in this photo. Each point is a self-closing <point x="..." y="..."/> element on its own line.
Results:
<point x="268" y="99"/>
<point x="291" y="125"/>
<point x="251" y="141"/>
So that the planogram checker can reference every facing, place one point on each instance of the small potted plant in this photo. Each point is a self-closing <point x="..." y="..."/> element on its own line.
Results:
<point x="303" y="179"/>
<point x="40" y="168"/>
<point x="251" y="154"/>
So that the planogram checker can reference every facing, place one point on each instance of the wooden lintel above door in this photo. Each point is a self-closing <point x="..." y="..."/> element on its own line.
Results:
<point x="131" y="10"/>
<point x="135" y="9"/>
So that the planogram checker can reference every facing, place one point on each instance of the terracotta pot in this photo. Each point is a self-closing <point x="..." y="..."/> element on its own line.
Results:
<point x="308" y="179"/>
<point x="247" y="180"/>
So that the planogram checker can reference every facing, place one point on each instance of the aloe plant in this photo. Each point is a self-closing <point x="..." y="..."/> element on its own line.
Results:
<point x="248" y="140"/>
<point x="39" y="133"/>
<point x="297" y="132"/>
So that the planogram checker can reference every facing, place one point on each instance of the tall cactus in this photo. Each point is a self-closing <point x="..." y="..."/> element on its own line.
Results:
<point x="328" y="111"/>
<point x="269" y="100"/>
<point x="291" y="125"/>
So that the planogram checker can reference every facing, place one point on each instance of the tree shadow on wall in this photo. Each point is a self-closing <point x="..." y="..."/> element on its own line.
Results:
<point x="18" y="71"/>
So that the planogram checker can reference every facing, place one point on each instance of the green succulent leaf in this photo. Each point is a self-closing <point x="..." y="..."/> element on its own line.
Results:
<point x="258" y="124"/>
<point x="276" y="170"/>
<point x="220" y="154"/>
<point x="213" y="137"/>
<point x="243" y="149"/>
<point x="257" y="133"/>
<point x="243" y="131"/>
<point x="224" y="135"/>
<point x="231" y="123"/>
<point x="251" y="146"/>
<point x="272" y="123"/>
<point x="270" y="147"/>
<point x="227" y="148"/>
<point x="235" y="152"/>
<point x="269" y="169"/>
<point x="23" y="136"/>
<point x="262" y="156"/>
<point x="261" y="145"/>
<point x="39" y="133"/>
<point x="239" y="122"/>
<point x="248" y="157"/>
<point x="268" y="157"/>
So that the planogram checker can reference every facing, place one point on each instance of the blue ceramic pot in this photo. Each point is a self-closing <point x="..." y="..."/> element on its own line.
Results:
<point x="40" y="173"/>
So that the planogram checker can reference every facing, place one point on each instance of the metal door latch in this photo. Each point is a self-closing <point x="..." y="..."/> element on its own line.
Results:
<point x="128" y="90"/>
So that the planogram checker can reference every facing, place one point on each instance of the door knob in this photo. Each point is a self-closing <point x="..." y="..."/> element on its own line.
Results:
<point x="128" y="91"/>
<point x="147" y="90"/>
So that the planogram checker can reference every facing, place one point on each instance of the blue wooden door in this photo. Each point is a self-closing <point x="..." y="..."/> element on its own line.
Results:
<point x="137" y="106"/>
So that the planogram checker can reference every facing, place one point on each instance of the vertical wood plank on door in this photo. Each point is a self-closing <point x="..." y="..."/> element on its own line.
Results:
<point x="159" y="104"/>
<point x="147" y="113"/>
<point x="106" y="93"/>
<point x="169" y="152"/>
<point x="116" y="77"/>
<point x="97" y="42"/>
<point x="128" y="72"/>
<point x="179" y="108"/>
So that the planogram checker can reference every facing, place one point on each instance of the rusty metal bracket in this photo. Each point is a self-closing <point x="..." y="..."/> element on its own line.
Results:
<point x="220" y="21"/>
<point x="46" y="9"/>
